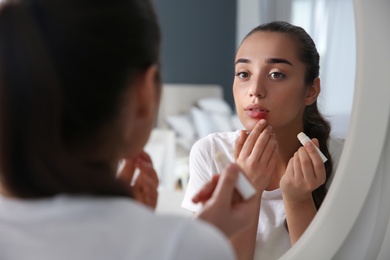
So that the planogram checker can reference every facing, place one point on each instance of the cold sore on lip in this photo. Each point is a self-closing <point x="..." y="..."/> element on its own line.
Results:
<point x="257" y="112"/>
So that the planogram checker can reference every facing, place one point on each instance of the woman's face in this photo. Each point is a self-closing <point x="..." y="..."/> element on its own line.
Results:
<point x="269" y="81"/>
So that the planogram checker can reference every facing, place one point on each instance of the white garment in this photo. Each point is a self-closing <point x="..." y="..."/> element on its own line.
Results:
<point x="82" y="228"/>
<point x="272" y="237"/>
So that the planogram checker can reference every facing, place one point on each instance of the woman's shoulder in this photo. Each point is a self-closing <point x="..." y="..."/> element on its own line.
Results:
<point x="207" y="146"/>
<point x="111" y="224"/>
<point x="200" y="240"/>
<point x="182" y="237"/>
<point x="172" y="236"/>
<point x="218" y="138"/>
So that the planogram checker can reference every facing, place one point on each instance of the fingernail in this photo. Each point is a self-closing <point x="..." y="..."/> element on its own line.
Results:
<point x="308" y="144"/>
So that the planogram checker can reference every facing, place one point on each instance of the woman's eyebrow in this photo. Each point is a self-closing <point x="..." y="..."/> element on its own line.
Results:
<point x="242" y="60"/>
<point x="269" y="61"/>
<point x="277" y="60"/>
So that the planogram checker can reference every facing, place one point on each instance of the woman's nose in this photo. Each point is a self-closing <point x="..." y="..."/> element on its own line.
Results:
<point x="257" y="89"/>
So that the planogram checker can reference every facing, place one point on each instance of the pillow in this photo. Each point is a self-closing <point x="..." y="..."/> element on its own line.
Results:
<point x="210" y="122"/>
<point x="222" y="122"/>
<point x="214" y="105"/>
<point x="182" y="126"/>
<point x="203" y="122"/>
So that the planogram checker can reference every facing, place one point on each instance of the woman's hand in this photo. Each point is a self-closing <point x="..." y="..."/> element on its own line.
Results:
<point x="223" y="207"/>
<point x="208" y="189"/>
<point x="256" y="154"/>
<point x="305" y="172"/>
<point x="142" y="178"/>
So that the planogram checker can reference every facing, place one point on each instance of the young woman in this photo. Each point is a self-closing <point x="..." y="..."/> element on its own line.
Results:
<point x="275" y="88"/>
<point x="79" y="92"/>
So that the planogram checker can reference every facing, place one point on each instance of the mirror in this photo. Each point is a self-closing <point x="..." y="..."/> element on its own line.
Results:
<point x="354" y="220"/>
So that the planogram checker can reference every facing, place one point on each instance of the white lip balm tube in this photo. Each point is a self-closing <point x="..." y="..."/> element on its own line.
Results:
<point x="303" y="138"/>
<point x="243" y="185"/>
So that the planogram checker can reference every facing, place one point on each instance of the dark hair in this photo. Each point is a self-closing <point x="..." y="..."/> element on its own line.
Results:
<point x="315" y="125"/>
<point x="64" y="66"/>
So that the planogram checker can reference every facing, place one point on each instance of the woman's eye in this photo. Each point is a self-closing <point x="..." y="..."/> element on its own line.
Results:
<point x="277" y="75"/>
<point x="242" y="75"/>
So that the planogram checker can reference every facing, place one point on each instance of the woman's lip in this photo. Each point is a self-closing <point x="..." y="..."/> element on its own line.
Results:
<point x="256" y="111"/>
<point x="256" y="107"/>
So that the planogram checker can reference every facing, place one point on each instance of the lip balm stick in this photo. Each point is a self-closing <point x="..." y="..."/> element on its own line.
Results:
<point x="303" y="138"/>
<point x="243" y="185"/>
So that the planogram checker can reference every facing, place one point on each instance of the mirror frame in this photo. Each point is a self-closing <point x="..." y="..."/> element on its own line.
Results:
<point x="363" y="159"/>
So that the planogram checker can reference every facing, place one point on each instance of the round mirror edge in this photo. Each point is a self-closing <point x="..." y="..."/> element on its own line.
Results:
<point x="320" y="240"/>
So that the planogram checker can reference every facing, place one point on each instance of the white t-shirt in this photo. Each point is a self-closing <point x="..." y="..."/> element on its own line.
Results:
<point x="272" y="237"/>
<point x="83" y="227"/>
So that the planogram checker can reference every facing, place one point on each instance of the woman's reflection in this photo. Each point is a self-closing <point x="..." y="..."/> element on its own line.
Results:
<point x="276" y="86"/>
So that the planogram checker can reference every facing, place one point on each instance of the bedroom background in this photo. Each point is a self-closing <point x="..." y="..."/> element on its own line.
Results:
<point x="200" y="39"/>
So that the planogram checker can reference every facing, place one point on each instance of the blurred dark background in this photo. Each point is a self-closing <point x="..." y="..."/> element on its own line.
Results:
<point x="199" y="42"/>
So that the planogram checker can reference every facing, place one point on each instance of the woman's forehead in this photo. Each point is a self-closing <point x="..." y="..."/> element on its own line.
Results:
<point x="269" y="44"/>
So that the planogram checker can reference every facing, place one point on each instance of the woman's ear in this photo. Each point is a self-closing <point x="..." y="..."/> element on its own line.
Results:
<point x="313" y="92"/>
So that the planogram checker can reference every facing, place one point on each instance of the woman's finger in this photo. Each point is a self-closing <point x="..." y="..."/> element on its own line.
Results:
<point x="306" y="165"/>
<point x="207" y="190"/>
<point x="126" y="170"/>
<point x="239" y="143"/>
<point x="297" y="167"/>
<point x="252" y="138"/>
<point x="226" y="185"/>
<point x="315" y="159"/>
<point x="261" y="143"/>
<point x="268" y="150"/>
<point x="148" y="170"/>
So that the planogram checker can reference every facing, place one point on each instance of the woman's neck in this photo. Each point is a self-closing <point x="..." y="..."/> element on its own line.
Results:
<point x="288" y="144"/>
